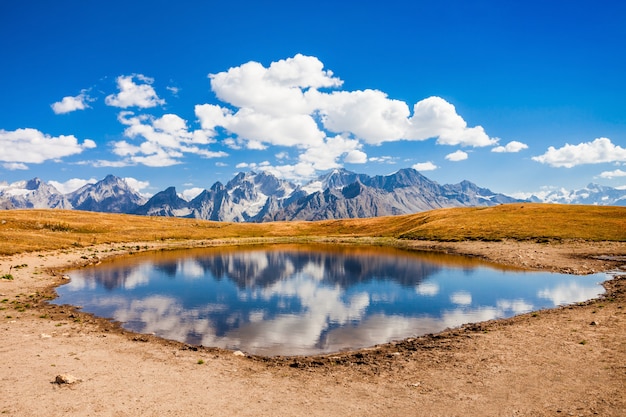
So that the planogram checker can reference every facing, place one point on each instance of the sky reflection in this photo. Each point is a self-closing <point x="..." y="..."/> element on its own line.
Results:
<point x="305" y="300"/>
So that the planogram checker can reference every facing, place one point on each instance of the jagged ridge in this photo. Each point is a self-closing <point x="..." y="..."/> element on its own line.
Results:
<point x="260" y="197"/>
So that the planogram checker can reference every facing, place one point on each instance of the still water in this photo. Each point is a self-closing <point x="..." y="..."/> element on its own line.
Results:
<point x="296" y="300"/>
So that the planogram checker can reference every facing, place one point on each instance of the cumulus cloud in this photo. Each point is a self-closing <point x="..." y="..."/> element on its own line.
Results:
<point x="435" y="117"/>
<point x="134" y="91"/>
<point x="191" y="193"/>
<point x="71" y="184"/>
<point x="72" y="103"/>
<point x="288" y="104"/>
<point x="457" y="156"/>
<point x="355" y="157"/>
<point x="164" y="140"/>
<point x="276" y="90"/>
<point x="425" y="166"/>
<point x="14" y="166"/>
<point x="601" y="150"/>
<point x="613" y="174"/>
<point x="137" y="185"/>
<point x="32" y="146"/>
<point x="511" y="147"/>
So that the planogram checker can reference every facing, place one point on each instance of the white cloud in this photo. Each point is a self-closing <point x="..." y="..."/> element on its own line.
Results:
<point x="257" y="129"/>
<point x="191" y="193"/>
<point x="137" y="185"/>
<point x="71" y="184"/>
<point x="355" y="157"/>
<point x="613" y="174"/>
<point x="69" y="104"/>
<point x="369" y="115"/>
<point x="101" y="163"/>
<point x="253" y="165"/>
<point x="425" y="166"/>
<point x="318" y="158"/>
<point x="511" y="147"/>
<point x="601" y="150"/>
<point x="435" y="117"/>
<point x="221" y="164"/>
<point x="282" y="105"/>
<point x="384" y="159"/>
<point x="277" y="90"/>
<point x="14" y="166"/>
<point x="32" y="146"/>
<point x="165" y="140"/>
<point x="173" y="90"/>
<point x="457" y="156"/>
<point x="324" y="156"/>
<point x="133" y="94"/>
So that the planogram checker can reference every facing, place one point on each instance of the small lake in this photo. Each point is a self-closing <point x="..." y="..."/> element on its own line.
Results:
<point x="297" y="300"/>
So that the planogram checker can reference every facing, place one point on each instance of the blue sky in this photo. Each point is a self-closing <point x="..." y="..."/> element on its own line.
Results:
<point x="518" y="97"/>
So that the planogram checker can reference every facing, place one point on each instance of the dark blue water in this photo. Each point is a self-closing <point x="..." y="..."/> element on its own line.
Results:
<point x="296" y="300"/>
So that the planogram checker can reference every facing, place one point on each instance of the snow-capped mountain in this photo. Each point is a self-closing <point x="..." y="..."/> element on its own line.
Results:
<point x="258" y="197"/>
<point x="111" y="195"/>
<point x="592" y="194"/>
<point x="247" y="197"/>
<point x="166" y="203"/>
<point x="32" y="194"/>
<point x="349" y="195"/>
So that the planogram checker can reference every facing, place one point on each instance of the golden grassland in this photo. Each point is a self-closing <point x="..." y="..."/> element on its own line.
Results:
<point x="35" y="230"/>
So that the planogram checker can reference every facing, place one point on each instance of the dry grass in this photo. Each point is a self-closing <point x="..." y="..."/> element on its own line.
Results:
<point x="33" y="230"/>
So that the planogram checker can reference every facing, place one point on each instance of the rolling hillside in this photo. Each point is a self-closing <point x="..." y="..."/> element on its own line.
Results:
<point x="30" y="230"/>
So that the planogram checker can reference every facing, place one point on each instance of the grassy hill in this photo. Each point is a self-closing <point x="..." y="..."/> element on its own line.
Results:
<point x="31" y="230"/>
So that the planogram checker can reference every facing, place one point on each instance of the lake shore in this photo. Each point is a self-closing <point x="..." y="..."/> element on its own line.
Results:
<point x="565" y="361"/>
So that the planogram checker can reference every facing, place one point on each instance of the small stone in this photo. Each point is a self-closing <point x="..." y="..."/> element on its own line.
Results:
<point x="66" y="379"/>
<point x="45" y="336"/>
<point x="66" y="277"/>
<point x="239" y="353"/>
<point x="593" y="323"/>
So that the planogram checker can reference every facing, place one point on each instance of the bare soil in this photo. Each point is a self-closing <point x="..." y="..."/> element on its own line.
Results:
<point x="56" y="360"/>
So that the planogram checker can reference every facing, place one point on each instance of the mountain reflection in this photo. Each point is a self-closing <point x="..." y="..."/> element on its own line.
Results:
<point x="295" y="300"/>
<point x="263" y="268"/>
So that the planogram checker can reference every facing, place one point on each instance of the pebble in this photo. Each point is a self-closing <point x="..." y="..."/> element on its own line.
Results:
<point x="239" y="353"/>
<point x="66" y="379"/>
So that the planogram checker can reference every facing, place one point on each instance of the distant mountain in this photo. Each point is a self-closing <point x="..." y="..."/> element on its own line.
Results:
<point x="260" y="197"/>
<point x="592" y="194"/>
<point x="358" y="195"/>
<point x="245" y="198"/>
<point x="32" y="194"/>
<point x="165" y="203"/>
<point x="111" y="195"/>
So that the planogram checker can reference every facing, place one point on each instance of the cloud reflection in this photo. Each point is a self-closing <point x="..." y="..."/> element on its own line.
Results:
<point x="305" y="302"/>
<point x="569" y="293"/>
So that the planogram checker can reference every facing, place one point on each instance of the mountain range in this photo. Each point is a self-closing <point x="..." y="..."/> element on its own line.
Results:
<point x="261" y="197"/>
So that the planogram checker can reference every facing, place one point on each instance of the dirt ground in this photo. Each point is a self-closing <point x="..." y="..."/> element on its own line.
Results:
<point x="569" y="361"/>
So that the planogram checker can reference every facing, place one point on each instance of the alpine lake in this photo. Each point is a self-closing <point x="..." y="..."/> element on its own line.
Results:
<point x="310" y="299"/>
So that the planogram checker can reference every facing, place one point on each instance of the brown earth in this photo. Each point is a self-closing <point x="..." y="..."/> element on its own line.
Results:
<point x="56" y="360"/>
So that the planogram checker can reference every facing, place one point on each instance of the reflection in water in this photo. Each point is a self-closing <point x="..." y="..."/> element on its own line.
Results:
<point x="304" y="300"/>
